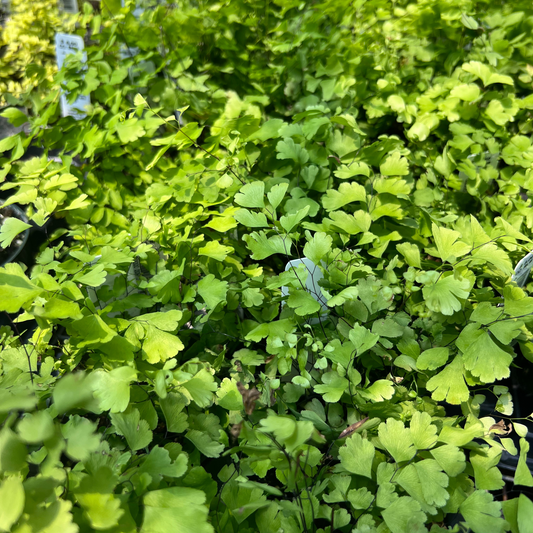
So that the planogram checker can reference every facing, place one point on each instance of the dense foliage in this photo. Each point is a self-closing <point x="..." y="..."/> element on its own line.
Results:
<point x="178" y="377"/>
<point x="27" y="55"/>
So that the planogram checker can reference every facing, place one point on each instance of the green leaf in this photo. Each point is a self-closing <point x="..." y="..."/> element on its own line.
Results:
<point x="176" y="509"/>
<point x="523" y="473"/>
<point x="394" y="165"/>
<point x="459" y="436"/>
<point x="281" y="426"/>
<point x="469" y="92"/>
<point x="269" y="130"/>
<point x="483" y="357"/>
<point x="433" y="358"/>
<point x="289" y="432"/>
<point x="333" y="387"/>
<point x="386" y="493"/>
<point x="510" y="512"/>
<point x="404" y="516"/>
<point x="159" y="346"/>
<point x="16" y="289"/>
<point x="91" y="330"/>
<point x="80" y="202"/>
<point x="112" y="389"/>
<point x="342" y="484"/>
<point x="15" y="116"/>
<point x="13" y="452"/>
<point x="469" y="22"/>
<point x="445" y="239"/>
<point x="524" y="513"/>
<point x="486" y="73"/>
<point x="288" y="149"/>
<point x="251" y="195"/>
<point x="82" y="439"/>
<point x="499" y="113"/>
<point x="485" y="313"/>
<point x="357" y="455"/>
<point x="362" y="338"/>
<point x="212" y="290"/>
<point x="243" y="499"/>
<point x="425" y="482"/>
<point x="450" y="458"/>
<point x="129" y="425"/>
<point x="158" y="464"/>
<point x="130" y="130"/>
<point x="10" y="229"/>
<point x="397" y="440"/>
<point x="516" y="303"/>
<point x="167" y="321"/>
<point x="360" y="498"/>
<point x="94" y="277"/>
<point x="380" y="390"/>
<point x="229" y="396"/>
<point x="12" y="497"/>
<point x="387" y="327"/>
<point x="443" y="295"/>
<point x="201" y="387"/>
<point x="449" y="384"/>
<point x="303" y="303"/>
<point x="423" y="432"/>
<point x="215" y="250"/>
<point x="16" y="399"/>
<point x="7" y="143"/>
<point x="394" y="186"/>
<point x="263" y="246"/>
<point x="277" y="193"/>
<point x="36" y="427"/>
<point x="250" y="219"/>
<point x="359" y="222"/>
<point x="252" y="297"/>
<point x="357" y="168"/>
<point x="318" y="247"/>
<point x="139" y="100"/>
<point x="411" y="252"/>
<point x="504" y="404"/>
<point x="482" y="514"/>
<point x="347" y="193"/>
<point x="204" y="443"/>
<point x="485" y="461"/>
<point x="490" y="253"/>
<point x="506" y="330"/>
<point x="95" y="495"/>
<point x="56" y="308"/>
<point x="172" y="407"/>
<point x="289" y="221"/>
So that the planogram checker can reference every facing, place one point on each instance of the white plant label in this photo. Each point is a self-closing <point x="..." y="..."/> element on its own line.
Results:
<point x="69" y="6"/>
<point x="522" y="270"/>
<point x="65" y="45"/>
<point x="312" y="286"/>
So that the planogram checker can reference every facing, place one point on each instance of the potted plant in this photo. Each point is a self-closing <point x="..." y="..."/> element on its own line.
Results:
<point x="198" y="400"/>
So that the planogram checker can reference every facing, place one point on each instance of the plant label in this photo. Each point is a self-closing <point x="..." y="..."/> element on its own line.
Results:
<point x="522" y="270"/>
<point x="65" y="45"/>
<point x="69" y="6"/>
<point x="312" y="286"/>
